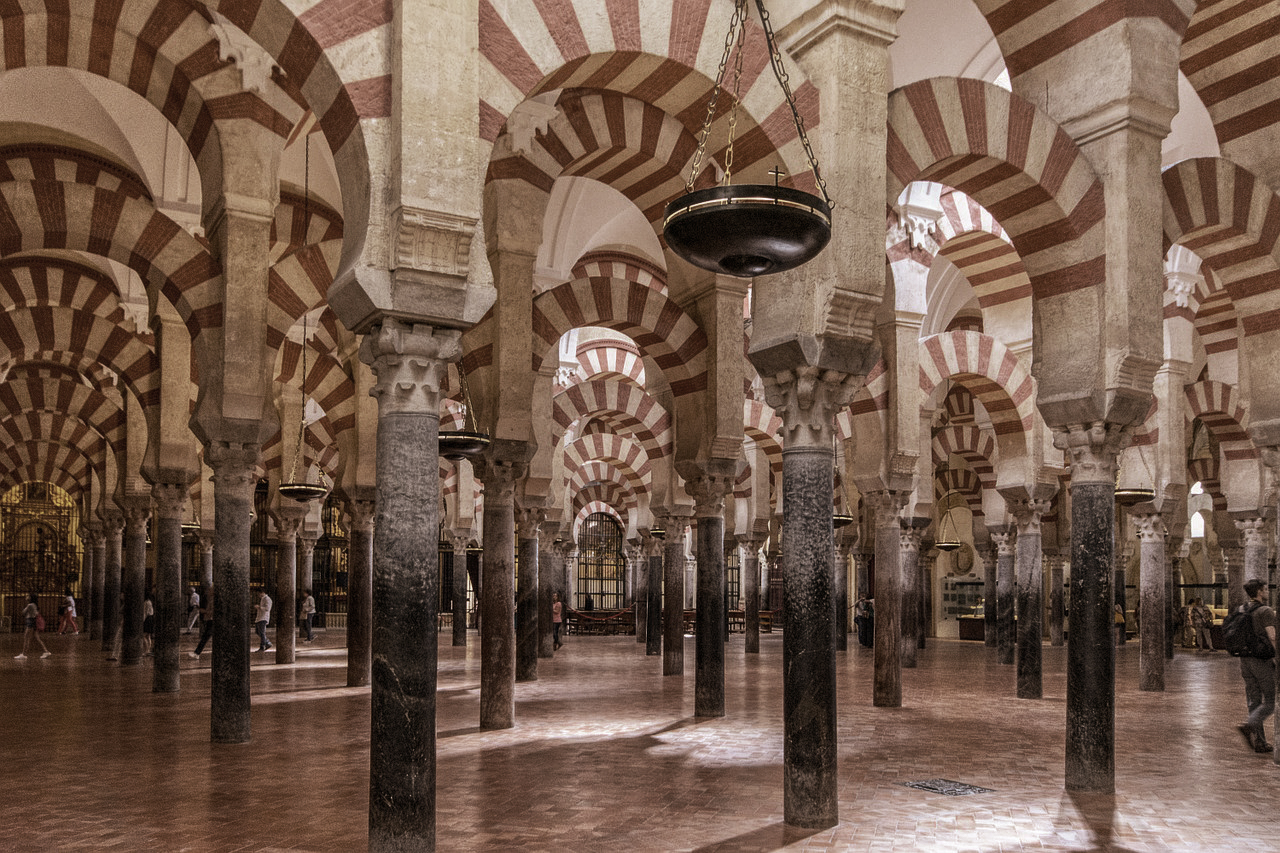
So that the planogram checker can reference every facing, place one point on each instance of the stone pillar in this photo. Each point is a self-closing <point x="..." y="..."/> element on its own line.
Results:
<point x="673" y="595"/>
<point x="361" y="513"/>
<point x="1253" y="531"/>
<point x="990" y="583"/>
<point x="842" y="595"/>
<point x="928" y="561"/>
<point x="751" y="592"/>
<point x="113" y="531"/>
<point x="547" y="569"/>
<point x="98" y="542"/>
<point x="84" y="607"/>
<point x="409" y="363"/>
<point x="638" y="556"/>
<point x="171" y="605"/>
<point x="133" y="577"/>
<point x="1029" y="568"/>
<point x="206" y="538"/>
<point x="1005" y="629"/>
<point x="1233" y="565"/>
<point x="235" y="477"/>
<point x="1057" y="612"/>
<point x="1171" y="581"/>
<point x="1092" y="451"/>
<point x="499" y="472"/>
<point x="1153" y="578"/>
<point x="910" y="613"/>
<point x="288" y="520"/>
<point x="528" y="521"/>
<point x="708" y="487"/>
<point x="459" y="539"/>
<point x="307" y="560"/>
<point x="653" y="607"/>
<point x="887" y="595"/>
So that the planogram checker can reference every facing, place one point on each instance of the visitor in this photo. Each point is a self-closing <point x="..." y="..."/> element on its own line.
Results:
<point x="1259" y="673"/>
<point x="35" y="624"/>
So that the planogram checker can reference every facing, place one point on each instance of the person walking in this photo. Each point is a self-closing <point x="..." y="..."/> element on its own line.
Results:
<point x="1259" y="672"/>
<point x="206" y="624"/>
<point x="148" y="624"/>
<point x="308" y="613"/>
<point x="1202" y="622"/>
<point x="67" y="625"/>
<point x="864" y="620"/>
<point x="261" y="616"/>
<point x="193" y="610"/>
<point x="557" y="619"/>
<point x="35" y="623"/>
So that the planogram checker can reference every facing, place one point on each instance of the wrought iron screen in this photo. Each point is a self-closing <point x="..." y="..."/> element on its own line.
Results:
<point x="600" y="563"/>
<point x="39" y="549"/>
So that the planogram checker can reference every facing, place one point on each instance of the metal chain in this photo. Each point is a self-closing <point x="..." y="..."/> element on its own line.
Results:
<point x="775" y="59"/>
<point x="738" y="19"/>
<point x="302" y="427"/>
<point x="737" y="95"/>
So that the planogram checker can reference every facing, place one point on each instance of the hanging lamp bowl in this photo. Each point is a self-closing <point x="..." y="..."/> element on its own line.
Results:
<point x="462" y="444"/>
<point x="747" y="229"/>
<point x="302" y="492"/>
<point x="657" y="532"/>
<point x="838" y="521"/>
<point x="1134" y="496"/>
<point x="947" y="546"/>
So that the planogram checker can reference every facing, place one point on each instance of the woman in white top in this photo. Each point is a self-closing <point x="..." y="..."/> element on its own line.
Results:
<point x="68" y="624"/>
<point x="30" y="614"/>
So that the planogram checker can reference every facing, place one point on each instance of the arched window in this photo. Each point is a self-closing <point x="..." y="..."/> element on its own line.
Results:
<point x="600" y="564"/>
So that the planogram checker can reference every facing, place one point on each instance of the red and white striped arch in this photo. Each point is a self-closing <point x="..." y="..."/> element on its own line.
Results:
<point x="582" y="513"/>
<point x="763" y="426"/>
<point x="987" y="368"/>
<point x="963" y="481"/>
<point x="603" y="358"/>
<point x="630" y="406"/>
<point x="66" y="467"/>
<point x="609" y="263"/>
<point x="28" y="281"/>
<point x="1228" y="55"/>
<point x="34" y="428"/>
<point x="1219" y="408"/>
<point x="67" y="165"/>
<point x="58" y="399"/>
<point x="622" y="499"/>
<point x="1206" y="472"/>
<point x="976" y="446"/>
<point x="625" y="453"/>
<point x="600" y="472"/>
<point x="1218" y="324"/>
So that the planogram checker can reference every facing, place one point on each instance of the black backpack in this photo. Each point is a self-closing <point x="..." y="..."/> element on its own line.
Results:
<point x="1241" y="638"/>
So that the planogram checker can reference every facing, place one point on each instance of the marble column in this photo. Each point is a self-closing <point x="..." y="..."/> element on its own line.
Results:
<point x="288" y="520"/>
<point x="547" y="569"/>
<point x="673" y="595"/>
<point x="98" y="542"/>
<point x="887" y="595"/>
<point x="1253" y="532"/>
<point x="206" y="538"/>
<point x="910" y="614"/>
<point x="653" y="608"/>
<point x="1151" y="600"/>
<point x="1029" y="569"/>
<point x="843" y="548"/>
<point x="990" y="582"/>
<point x="1233" y="566"/>
<point x="235" y="476"/>
<point x="1171" y="548"/>
<point x="409" y="363"/>
<point x="527" y="523"/>
<point x="1006" y="639"/>
<point x="133" y="576"/>
<point x="1092" y="452"/>
<point x="638" y="556"/>
<point x="459" y="539"/>
<point x="751" y="592"/>
<point x="500" y="471"/>
<point x="361" y="525"/>
<point x="113" y="535"/>
<point x="84" y="603"/>
<point x="171" y="604"/>
<point x="1057" y="611"/>
<point x="708" y="488"/>
<point x="307" y="560"/>
<point x="928" y="560"/>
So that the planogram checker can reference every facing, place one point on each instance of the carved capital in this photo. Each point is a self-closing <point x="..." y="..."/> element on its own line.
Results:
<point x="307" y="544"/>
<point x="409" y="362"/>
<point x="807" y="399"/>
<point x="1150" y="526"/>
<point x="360" y="514"/>
<point x="499" y="477"/>
<point x="136" y="509"/>
<point x="206" y="538"/>
<point x="432" y="241"/>
<point x="528" y="522"/>
<point x="1027" y="514"/>
<point x="909" y="540"/>
<point x="887" y="506"/>
<point x="235" y="466"/>
<point x="708" y="490"/>
<point x="170" y="498"/>
<point x="1253" y="530"/>
<point x="1004" y="544"/>
<point x="1092" y="450"/>
<point x="674" y="525"/>
<point x="288" y="521"/>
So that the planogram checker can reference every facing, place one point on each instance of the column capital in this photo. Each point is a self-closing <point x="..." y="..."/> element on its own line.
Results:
<point x="1092" y="449"/>
<point x="1004" y="543"/>
<point x="1150" y="526"/>
<point x="136" y="508"/>
<point x="307" y="543"/>
<point x="112" y="522"/>
<point x="1027" y="513"/>
<point x="887" y="505"/>
<point x="1253" y="530"/>
<point x="235" y="465"/>
<point x="807" y="399"/>
<point x="909" y="539"/>
<point x="170" y="498"/>
<point x="288" y="520"/>
<point x="360" y="513"/>
<point x="409" y="361"/>
<point x="206" y="538"/>
<point x="707" y="483"/>
<point x="528" y="521"/>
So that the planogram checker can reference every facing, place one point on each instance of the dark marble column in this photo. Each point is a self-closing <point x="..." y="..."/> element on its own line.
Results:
<point x="1171" y="548"/>
<point x="1151" y="600"/>
<point x="361" y="524"/>
<point x="638" y="556"/>
<point x="98" y="543"/>
<point x="1029" y="569"/>
<point x="707" y="487"/>
<point x="206" y="538"/>
<point x="171" y="604"/>
<point x="751" y="592"/>
<point x="1092" y="451"/>
<point x="500" y="471"/>
<point x="460" y="539"/>
<point x="133" y="576"/>
<point x="928" y="559"/>
<point x="887" y="597"/>
<point x="909" y="617"/>
<point x="673" y="595"/>
<point x="409" y="364"/>
<point x="547" y="569"/>
<point x="1057" y="611"/>
<point x="1006" y="637"/>
<point x="1233" y="563"/>
<point x="842" y="594"/>
<point x="990" y="581"/>
<point x="862" y="573"/>
<point x="288" y="520"/>
<point x="653" y="608"/>
<point x="306" y="559"/>
<point x="84" y="602"/>
<point x="234" y="479"/>
<point x="528" y="521"/>
<point x="113" y="547"/>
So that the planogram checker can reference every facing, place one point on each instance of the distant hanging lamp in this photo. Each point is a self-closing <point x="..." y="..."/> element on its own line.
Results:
<point x="947" y="543"/>
<point x="300" y="490"/>
<point x="468" y="442"/>
<point x="839" y="520"/>
<point x="1134" y="495"/>
<point x="750" y="229"/>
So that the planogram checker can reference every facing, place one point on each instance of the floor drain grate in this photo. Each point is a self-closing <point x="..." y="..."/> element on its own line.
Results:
<point x="947" y="787"/>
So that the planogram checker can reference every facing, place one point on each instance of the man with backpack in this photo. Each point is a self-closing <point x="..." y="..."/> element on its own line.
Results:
<point x="1252" y="636"/>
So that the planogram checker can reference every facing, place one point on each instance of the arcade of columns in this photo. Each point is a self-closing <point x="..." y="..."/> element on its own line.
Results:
<point x="1046" y="303"/>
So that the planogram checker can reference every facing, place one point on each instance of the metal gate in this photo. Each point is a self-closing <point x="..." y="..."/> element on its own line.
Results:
<point x="39" y="549"/>
<point x="600" y="564"/>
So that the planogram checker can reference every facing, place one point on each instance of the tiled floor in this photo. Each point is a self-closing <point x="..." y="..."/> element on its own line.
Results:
<point x="606" y="756"/>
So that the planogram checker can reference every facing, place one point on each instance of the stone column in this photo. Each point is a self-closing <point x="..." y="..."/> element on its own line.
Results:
<point x="547" y="569"/>
<point x="113" y="531"/>
<point x="235" y="477"/>
<point x="638" y="556"/>
<point x="707" y="488"/>
<point x="751" y="592"/>
<point x="361" y="514"/>
<point x="307" y="560"/>
<point x="990" y="583"/>
<point x="409" y="363"/>
<point x="98" y="542"/>
<point x="528" y="521"/>
<point x="206" y="538"/>
<point x="1029" y="569"/>
<point x="499" y="472"/>
<point x="1253" y="531"/>
<point x="84" y="607"/>
<point x="171" y="605"/>
<point x="133" y="577"/>
<point x="1151" y="600"/>
<point x="460" y="542"/>
<point x="1006" y="639"/>
<point x="1233" y="568"/>
<point x="1092" y="451"/>
<point x="653" y="607"/>
<point x="909" y="616"/>
<point x="887" y="687"/>
<point x="1057" y="610"/>
<point x="842" y="595"/>
<point x="1171" y="548"/>
<point x="928" y="560"/>
<point x="288" y="520"/>
<point x="673" y="595"/>
<point x="862" y="573"/>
